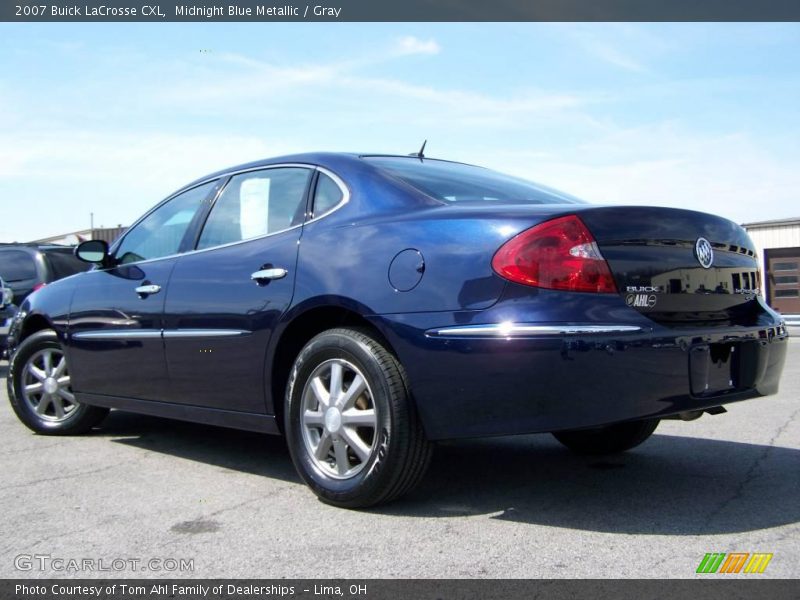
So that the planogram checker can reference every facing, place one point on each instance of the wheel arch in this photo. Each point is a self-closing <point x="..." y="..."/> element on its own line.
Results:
<point x="33" y="323"/>
<point x="297" y="331"/>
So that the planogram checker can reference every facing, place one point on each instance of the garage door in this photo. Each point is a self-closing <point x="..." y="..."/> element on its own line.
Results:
<point x="784" y="278"/>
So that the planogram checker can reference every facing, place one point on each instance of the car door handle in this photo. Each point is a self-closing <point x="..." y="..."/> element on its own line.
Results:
<point x="275" y="273"/>
<point x="146" y="290"/>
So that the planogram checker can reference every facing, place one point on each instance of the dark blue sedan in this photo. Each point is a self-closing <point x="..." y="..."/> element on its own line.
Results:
<point x="367" y="305"/>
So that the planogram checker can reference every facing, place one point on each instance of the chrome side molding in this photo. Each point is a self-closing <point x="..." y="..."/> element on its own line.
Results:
<point x="140" y="334"/>
<point x="117" y="334"/>
<point x="204" y="333"/>
<point x="526" y="330"/>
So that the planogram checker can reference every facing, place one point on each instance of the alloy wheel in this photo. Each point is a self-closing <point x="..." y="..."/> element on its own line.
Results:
<point x="46" y="386"/>
<point x="339" y="419"/>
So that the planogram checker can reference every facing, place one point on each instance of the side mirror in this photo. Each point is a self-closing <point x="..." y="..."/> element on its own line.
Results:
<point x="93" y="251"/>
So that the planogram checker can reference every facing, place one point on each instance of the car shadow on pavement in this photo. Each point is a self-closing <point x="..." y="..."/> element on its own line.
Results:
<point x="671" y="485"/>
<point x="244" y="451"/>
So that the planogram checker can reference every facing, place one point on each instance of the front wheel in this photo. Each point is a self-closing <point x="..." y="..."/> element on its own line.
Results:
<point x="40" y="391"/>
<point x="610" y="439"/>
<point x="352" y="428"/>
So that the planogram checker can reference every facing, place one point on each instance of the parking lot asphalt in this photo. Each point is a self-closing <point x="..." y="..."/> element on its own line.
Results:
<point x="141" y="488"/>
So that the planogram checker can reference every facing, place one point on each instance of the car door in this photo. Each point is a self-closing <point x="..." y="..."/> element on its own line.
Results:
<point x="116" y="317"/>
<point x="226" y="297"/>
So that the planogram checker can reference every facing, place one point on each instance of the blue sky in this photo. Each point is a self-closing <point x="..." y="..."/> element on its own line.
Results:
<point x="110" y="118"/>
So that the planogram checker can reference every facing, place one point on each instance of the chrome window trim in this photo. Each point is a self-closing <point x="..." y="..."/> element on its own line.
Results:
<point x="252" y="239"/>
<point x="227" y="175"/>
<point x="526" y="330"/>
<point x="122" y="334"/>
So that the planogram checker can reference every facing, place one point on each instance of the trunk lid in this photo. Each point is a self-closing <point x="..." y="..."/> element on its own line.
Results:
<point x="664" y="268"/>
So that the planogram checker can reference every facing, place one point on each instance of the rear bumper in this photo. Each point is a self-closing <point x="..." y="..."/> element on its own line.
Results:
<point x="487" y="379"/>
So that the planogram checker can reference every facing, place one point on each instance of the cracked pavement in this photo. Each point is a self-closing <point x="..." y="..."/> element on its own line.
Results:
<point x="142" y="487"/>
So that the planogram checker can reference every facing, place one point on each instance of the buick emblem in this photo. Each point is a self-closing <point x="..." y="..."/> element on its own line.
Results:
<point x="704" y="252"/>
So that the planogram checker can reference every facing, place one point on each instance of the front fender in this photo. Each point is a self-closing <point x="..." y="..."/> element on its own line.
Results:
<point x="46" y="308"/>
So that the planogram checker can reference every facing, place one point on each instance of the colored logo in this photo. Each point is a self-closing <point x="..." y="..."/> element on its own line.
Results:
<point x="734" y="562"/>
<point x="704" y="252"/>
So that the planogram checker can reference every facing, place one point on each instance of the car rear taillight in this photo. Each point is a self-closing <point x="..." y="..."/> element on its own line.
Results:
<point x="560" y="254"/>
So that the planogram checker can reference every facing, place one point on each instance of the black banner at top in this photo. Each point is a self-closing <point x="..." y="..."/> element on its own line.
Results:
<point x="398" y="10"/>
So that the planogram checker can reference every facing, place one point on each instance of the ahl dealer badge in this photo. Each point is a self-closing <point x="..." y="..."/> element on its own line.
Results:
<point x="641" y="300"/>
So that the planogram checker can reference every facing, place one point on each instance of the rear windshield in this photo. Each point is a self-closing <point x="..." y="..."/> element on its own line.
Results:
<point x="63" y="263"/>
<point x="455" y="182"/>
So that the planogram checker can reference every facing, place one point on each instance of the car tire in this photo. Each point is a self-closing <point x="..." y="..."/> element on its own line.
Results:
<point x="610" y="439"/>
<point x="39" y="389"/>
<point x="366" y="446"/>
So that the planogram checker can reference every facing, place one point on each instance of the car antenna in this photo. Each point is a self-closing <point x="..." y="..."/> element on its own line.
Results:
<point x="421" y="154"/>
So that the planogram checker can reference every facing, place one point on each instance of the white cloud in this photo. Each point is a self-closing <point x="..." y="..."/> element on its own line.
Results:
<point x="237" y="77"/>
<point x="214" y="111"/>
<point x="115" y="175"/>
<point x="664" y="165"/>
<point x="253" y="86"/>
<point x="412" y="45"/>
<point x="613" y="56"/>
<point x="621" y="45"/>
<point x="453" y="104"/>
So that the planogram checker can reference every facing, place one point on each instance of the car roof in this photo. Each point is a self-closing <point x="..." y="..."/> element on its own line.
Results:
<point x="34" y="246"/>
<point x="330" y="160"/>
<point x="422" y="159"/>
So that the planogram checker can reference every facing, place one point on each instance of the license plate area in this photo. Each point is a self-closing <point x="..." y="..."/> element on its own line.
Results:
<point x="723" y="367"/>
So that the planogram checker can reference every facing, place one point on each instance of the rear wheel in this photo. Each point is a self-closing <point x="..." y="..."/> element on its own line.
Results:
<point x="609" y="439"/>
<point x="352" y="429"/>
<point x="40" y="391"/>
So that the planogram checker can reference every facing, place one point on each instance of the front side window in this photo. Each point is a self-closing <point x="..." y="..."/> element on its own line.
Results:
<point x="255" y="204"/>
<point x="161" y="232"/>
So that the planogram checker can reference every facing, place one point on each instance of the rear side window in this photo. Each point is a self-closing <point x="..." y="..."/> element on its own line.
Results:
<point x="327" y="195"/>
<point x="16" y="265"/>
<point x="454" y="182"/>
<point x="255" y="204"/>
<point x="63" y="263"/>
